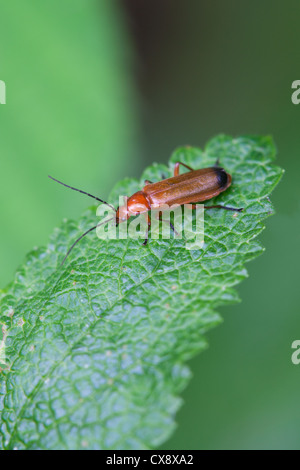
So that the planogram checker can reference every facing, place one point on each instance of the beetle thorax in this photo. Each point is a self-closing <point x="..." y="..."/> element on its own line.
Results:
<point x="138" y="203"/>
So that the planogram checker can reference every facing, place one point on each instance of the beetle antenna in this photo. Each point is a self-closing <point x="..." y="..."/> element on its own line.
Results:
<point x="83" y="192"/>
<point x="83" y="235"/>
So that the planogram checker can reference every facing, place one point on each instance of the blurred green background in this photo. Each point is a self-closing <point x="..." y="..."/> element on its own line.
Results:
<point x="98" y="89"/>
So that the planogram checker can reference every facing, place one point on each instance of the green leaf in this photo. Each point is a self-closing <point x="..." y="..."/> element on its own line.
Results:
<point x="95" y="351"/>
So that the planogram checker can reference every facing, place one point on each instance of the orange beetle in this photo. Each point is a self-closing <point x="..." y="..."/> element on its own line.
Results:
<point x="191" y="187"/>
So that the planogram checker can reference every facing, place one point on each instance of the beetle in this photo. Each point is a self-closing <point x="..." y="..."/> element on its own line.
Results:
<point x="186" y="188"/>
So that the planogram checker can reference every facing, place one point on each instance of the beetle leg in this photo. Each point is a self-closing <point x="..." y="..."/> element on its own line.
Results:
<point x="176" y="168"/>
<point x="148" y="182"/>
<point x="147" y="231"/>
<point x="170" y="223"/>
<point x="220" y="207"/>
<point x="217" y="164"/>
<point x="225" y="207"/>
